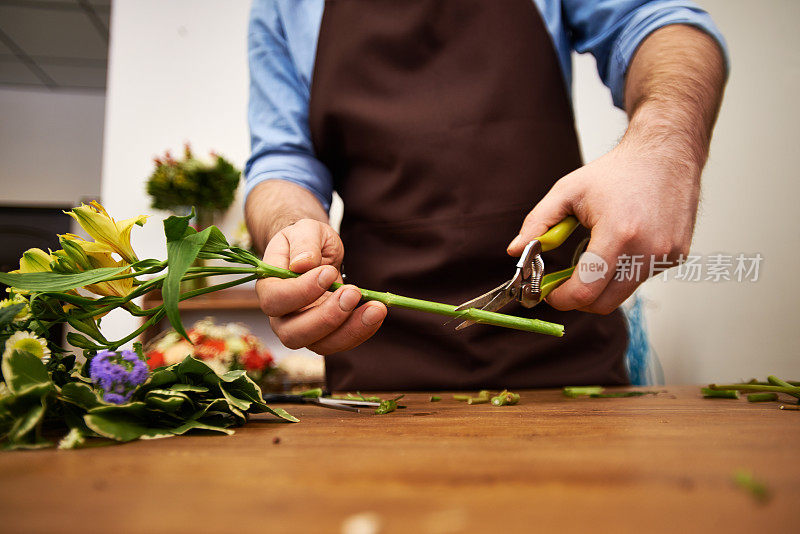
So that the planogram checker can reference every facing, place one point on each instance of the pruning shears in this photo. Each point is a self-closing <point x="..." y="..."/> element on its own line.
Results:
<point x="529" y="285"/>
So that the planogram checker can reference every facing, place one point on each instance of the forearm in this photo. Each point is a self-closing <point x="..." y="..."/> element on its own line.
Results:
<point x="673" y="92"/>
<point x="276" y="204"/>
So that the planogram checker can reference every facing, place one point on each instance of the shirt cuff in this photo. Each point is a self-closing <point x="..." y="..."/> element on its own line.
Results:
<point x="645" y="22"/>
<point x="301" y="169"/>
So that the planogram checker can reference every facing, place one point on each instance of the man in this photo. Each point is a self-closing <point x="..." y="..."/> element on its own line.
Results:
<point x="442" y="123"/>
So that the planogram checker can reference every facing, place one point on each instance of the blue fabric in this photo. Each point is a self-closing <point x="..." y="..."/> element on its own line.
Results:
<point x="282" y="42"/>
<point x="641" y="361"/>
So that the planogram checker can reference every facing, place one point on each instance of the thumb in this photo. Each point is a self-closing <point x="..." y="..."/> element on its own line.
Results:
<point x="552" y="209"/>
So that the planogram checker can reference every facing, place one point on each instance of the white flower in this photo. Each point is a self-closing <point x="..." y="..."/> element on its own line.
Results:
<point x="24" y="314"/>
<point x="235" y="345"/>
<point x="27" y="342"/>
<point x="177" y="352"/>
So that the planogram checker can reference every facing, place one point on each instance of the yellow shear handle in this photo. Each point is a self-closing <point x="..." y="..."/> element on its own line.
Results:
<point x="551" y="239"/>
<point x="559" y="233"/>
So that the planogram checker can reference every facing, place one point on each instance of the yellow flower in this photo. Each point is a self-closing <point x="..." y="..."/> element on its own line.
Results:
<point x="94" y="219"/>
<point x="80" y="255"/>
<point x="34" y="260"/>
<point x="27" y="342"/>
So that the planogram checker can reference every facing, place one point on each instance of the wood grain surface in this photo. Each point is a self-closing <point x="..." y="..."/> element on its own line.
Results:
<point x="646" y="464"/>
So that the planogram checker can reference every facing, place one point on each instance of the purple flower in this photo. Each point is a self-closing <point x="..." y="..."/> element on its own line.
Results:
<point x="117" y="374"/>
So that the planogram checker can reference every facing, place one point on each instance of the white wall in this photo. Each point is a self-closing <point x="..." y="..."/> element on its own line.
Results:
<point x="50" y="146"/>
<point x="724" y="331"/>
<point x="178" y="73"/>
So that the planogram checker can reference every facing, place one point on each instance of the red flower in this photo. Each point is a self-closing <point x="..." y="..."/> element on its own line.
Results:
<point x="155" y="358"/>
<point x="195" y="336"/>
<point x="209" y="348"/>
<point x="255" y="360"/>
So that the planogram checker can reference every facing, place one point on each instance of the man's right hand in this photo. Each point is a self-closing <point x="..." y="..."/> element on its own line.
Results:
<point x="301" y="310"/>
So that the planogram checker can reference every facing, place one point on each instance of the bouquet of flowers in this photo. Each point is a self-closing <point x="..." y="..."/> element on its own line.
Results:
<point x="209" y="186"/>
<point x="224" y="348"/>
<point x="114" y="394"/>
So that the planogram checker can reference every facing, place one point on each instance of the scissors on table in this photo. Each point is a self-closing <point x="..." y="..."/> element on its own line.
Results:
<point x="529" y="285"/>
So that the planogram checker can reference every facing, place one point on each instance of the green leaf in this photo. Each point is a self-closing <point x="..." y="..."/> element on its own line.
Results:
<point x="73" y="440"/>
<point x="28" y="421"/>
<point x="177" y="226"/>
<point x="24" y="373"/>
<point x="197" y="425"/>
<point x="123" y="427"/>
<point x="167" y="404"/>
<point x="8" y="313"/>
<point x="188" y="388"/>
<point x="192" y="366"/>
<point x="133" y="409"/>
<point x="167" y="400"/>
<point x="234" y="401"/>
<point x="181" y="253"/>
<point x="80" y="395"/>
<point x="216" y="241"/>
<point x="28" y="414"/>
<point x="58" y="281"/>
<point x="162" y="377"/>
<point x="278" y="412"/>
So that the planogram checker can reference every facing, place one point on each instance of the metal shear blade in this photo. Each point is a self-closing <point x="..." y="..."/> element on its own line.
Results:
<point x="490" y="301"/>
<point x="526" y="284"/>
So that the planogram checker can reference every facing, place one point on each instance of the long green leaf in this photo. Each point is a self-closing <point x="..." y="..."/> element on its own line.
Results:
<point x="58" y="281"/>
<point x="181" y="253"/>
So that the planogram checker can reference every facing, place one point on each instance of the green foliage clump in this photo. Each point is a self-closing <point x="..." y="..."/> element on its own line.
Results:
<point x="178" y="184"/>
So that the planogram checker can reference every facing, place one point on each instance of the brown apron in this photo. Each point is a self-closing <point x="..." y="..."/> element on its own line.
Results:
<point x="443" y="122"/>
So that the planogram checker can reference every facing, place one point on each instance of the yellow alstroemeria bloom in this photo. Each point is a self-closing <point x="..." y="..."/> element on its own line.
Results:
<point x="84" y="255"/>
<point x="89" y="247"/>
<point x="34" y="260"/>
<point x="94" y="219"/>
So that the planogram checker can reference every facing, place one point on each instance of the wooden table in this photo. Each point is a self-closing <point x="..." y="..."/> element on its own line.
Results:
<point x="550" y="464"/>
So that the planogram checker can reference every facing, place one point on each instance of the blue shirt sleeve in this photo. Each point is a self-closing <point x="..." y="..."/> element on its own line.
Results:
<point x="280" y="137"/>
<point x="612" y="30"/>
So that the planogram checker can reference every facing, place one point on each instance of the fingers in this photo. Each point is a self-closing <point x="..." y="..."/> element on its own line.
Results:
<point x="612" y="297"/>
<point x="304" y="245"/>
<point x="279" y="297"/>
<point x="359" y="327"/>
<point x="331" y="325"/>
<point x="593" y="273"/>
<point x="556" y="205"/>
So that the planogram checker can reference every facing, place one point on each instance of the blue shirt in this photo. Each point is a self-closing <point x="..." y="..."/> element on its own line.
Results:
<point x="282" y="43"/>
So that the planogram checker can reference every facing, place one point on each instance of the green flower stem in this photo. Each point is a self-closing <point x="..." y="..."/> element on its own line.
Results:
<point x="154" y="269"/>
<point x="147" y="324"/>
<point x="472" y="314"/>
<point x="152" y="283"/>
<point x="762" y="397"/>
<point x="211" y="289"/>
<point x="791" y="390"/>
<point x="782" y="383"/>
<point x="710" y="393"/>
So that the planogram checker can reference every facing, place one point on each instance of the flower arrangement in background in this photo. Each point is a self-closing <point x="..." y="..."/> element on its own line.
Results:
<point x="177" y="185"/>
<point x="224" y="348"/>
